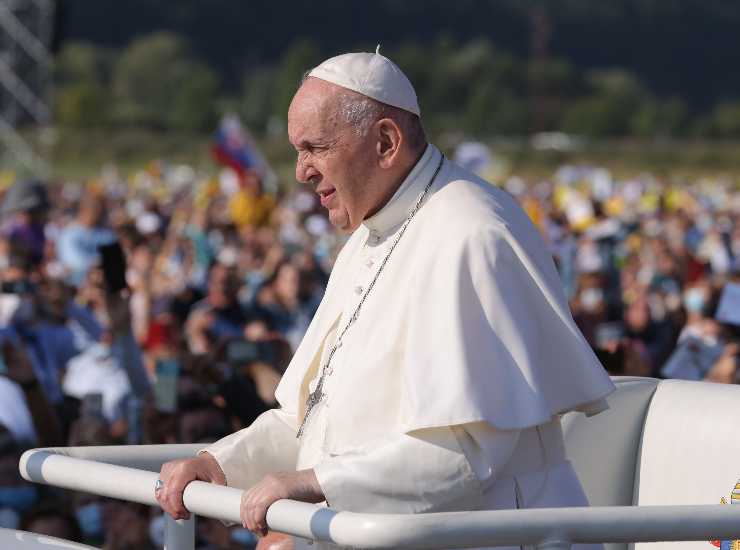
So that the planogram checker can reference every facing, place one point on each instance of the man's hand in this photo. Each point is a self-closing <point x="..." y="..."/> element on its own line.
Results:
<point x="725" y="368"/>
<point x="177" y="474"/>
<point x="119" y="313"/>
<point x="275" y="541"/>
<point x="300" y="485"/>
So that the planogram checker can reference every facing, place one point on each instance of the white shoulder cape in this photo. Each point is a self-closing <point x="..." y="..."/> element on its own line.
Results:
<point x="489" y="335"/>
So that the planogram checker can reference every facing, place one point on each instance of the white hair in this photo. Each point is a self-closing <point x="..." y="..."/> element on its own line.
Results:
<point x="359" y="112"/>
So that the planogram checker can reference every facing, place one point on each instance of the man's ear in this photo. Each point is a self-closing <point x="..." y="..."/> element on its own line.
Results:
<point x="390" y="139"/>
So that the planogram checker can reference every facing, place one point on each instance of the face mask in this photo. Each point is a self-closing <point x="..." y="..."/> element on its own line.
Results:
<point x="704" y="223"/>
<point x="693" y="300"/>
<point x="156" y="531"/>
<point x="243" y="537"/>
<point x="19" y="498"/>
<point x="591" y="298"/>
<point x="9" y="518"/>
<point x="90" y="520"/>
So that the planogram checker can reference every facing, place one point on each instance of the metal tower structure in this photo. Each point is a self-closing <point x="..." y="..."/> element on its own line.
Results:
<point x="26" y="28"/>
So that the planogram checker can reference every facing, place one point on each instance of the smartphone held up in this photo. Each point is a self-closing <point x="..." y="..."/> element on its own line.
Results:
<point x="113" y="264"/>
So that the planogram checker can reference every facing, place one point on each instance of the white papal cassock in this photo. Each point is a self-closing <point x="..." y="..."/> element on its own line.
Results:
<point x="446" y="393"/>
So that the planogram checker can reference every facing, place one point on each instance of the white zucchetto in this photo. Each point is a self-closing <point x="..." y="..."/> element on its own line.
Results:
<point x="372" y="75"/>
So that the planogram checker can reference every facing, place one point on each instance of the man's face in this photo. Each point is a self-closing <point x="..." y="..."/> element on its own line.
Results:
<point x="339" y="164"/>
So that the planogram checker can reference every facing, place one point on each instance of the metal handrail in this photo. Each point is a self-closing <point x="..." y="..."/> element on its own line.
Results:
<point x="90" y="469"/>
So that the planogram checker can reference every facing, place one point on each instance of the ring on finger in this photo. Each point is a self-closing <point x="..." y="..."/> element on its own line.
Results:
<point x="158" y="485"/>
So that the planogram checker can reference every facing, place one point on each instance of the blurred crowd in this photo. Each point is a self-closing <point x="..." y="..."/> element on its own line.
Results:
<point x="651" y="268"/>
<point x="221" y="282"/>
<point x="223" y="277"/>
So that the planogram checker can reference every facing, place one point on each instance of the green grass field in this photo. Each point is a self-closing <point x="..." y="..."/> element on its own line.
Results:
<point x="79" y="155"/>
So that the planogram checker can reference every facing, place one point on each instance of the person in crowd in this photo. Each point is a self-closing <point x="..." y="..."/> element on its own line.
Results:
<point x="17" y="496"/>
<point x="26" y="410"/>
<point x="54" y="520"/>
<point x="219" y="315"/>
<point x="126" y="526"/>
<point x="250" y="205"/>
<point x="78" y="243"/>
<point x="651" y="337"/>
<point x="25" y="209"/>
<point x="288" y="301"/>
<point x="88" y="510"/>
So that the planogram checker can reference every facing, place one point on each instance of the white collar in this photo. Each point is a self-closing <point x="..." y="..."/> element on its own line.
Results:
<point x="397" y="209"/>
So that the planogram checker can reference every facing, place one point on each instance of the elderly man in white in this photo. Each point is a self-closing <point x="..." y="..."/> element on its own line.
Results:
<point x="435" y="371"/>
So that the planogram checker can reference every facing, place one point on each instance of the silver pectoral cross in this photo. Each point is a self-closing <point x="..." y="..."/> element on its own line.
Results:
<point x="314" y="398"/>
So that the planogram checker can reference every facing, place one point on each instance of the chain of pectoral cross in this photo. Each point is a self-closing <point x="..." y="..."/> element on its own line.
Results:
<point x="315" y="397"/>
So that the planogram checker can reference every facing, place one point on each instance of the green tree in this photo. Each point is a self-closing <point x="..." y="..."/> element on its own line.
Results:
<point x="82" y="62"/>
<point x="725" y="119"/>
<point x="608" y="111"/>
<point x="81" y="72"/>
<point x="157" y="84"/>
<point x="194" y="103"/>
<point x="82" y="105"/>
<point x="257" y="98"/>
<point x="660" y="118"/>
<point x="475" y="88"/>
<point x="299" y="57"/>
<point x="492" y="111"/>
<point x="551" y="82"/>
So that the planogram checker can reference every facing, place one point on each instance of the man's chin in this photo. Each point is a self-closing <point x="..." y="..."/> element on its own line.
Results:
<point x="341" y="221"/>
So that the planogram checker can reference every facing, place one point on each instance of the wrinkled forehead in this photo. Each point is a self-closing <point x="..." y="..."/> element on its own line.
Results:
<point x="314" y="111"/>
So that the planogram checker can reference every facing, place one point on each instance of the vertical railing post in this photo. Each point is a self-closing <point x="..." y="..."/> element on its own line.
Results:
<point x="179" y="534"/>
<point x="555" y="543"/>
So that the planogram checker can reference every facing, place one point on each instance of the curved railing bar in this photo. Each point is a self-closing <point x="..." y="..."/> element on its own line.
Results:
<point x="557" y="527"/>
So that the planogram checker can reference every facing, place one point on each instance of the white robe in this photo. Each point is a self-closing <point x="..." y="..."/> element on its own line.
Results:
<point x="446" y="393"/>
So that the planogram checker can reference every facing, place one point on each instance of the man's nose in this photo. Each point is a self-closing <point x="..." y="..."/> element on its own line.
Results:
<point x="306" y="172"/>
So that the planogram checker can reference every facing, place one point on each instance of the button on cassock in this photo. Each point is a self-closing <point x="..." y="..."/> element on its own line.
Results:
<point x="358" y="290"/>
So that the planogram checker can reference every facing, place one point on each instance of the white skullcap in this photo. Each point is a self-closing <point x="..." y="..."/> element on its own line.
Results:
<point x="372" y="75"/>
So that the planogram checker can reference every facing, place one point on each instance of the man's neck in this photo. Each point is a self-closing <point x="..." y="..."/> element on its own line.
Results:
<point x="403" y="172"/>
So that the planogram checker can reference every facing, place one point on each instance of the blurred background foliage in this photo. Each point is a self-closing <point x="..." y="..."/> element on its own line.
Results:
<point x="157" y="82"/>
<point x="489" y="69"/>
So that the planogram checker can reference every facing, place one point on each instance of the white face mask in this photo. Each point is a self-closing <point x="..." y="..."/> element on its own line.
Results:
<point x="9" y="304"/>
<point x="90" y="518"/>
<point x="693" y="300"/>
<point x="156" y="531"/>
<point x="704" y="223"/>
<point x="9" y="518"/>
<point x="591" y="298"/>
<point x="243" y="537"/>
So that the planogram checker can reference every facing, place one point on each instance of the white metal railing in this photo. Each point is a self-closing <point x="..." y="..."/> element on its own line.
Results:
<point x="129" y="473"/>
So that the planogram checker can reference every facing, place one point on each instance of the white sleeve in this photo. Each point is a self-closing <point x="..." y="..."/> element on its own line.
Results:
<point x="488" y="450"/>
<point x="429" y="470"/>
<point x="268" y="445"/>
